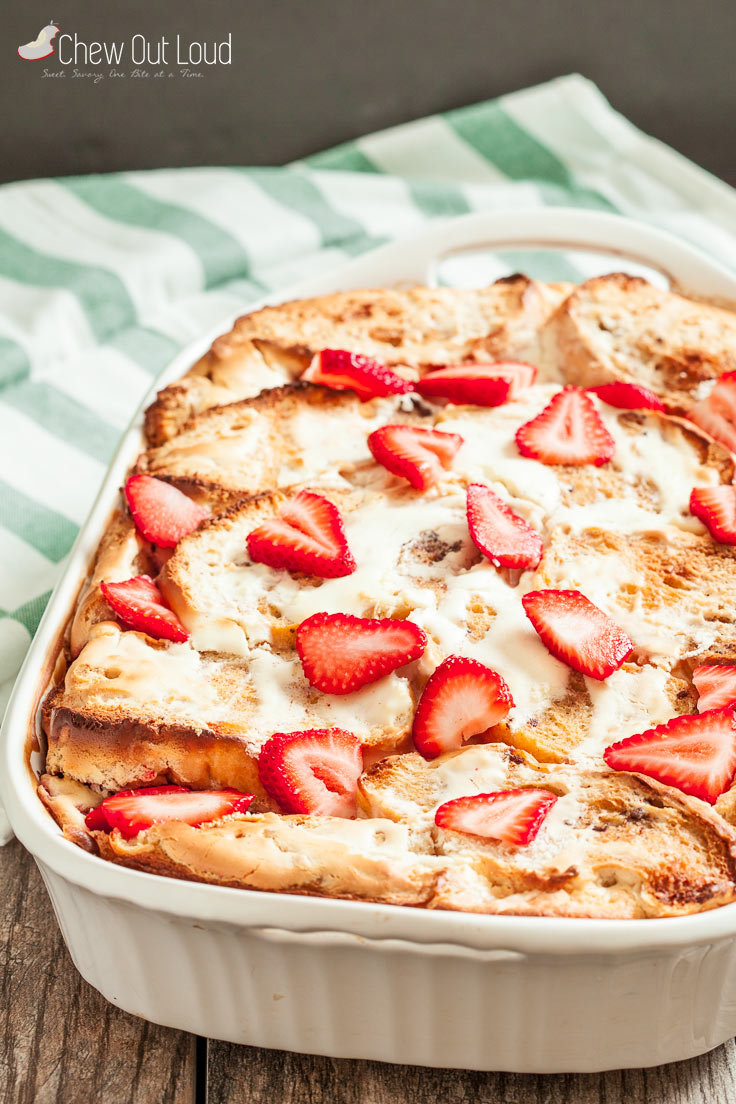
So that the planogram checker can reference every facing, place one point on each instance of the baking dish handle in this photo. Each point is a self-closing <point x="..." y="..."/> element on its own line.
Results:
<point x="414" y="259"/>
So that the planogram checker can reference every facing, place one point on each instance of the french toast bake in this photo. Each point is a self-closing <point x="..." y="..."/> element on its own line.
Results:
<point x="423" y="597"/>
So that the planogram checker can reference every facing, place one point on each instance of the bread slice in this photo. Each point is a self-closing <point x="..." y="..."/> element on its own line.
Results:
<point x="614" y="845"/>
<point x="621" y="327"/>
<point x="671" y="590"/>
<point x="269" y="442"/>
<point x="588" y="716"/>
<point x="132" y="711"/>
<point x="323" y="856"/>
<point x="405" y="546"/>
<point x="657" y="462"/>
<point x="411" y="328"/>
<point x="68" y="802"/>
<point x="214" y="381"/>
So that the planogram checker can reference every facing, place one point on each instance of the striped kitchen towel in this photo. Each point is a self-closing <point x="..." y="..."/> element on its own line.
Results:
<point x="105" y="278"/>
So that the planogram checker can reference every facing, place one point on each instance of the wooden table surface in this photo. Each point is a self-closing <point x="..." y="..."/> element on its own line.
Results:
<point x="62" y="1043"/>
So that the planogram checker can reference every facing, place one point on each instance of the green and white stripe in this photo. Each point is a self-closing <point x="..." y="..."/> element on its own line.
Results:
<point x="104" y="278"/>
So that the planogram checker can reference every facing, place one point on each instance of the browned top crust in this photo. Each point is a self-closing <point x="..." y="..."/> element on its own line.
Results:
<point x="412" y="328"/>
<point x="610" y="327"/>
<point x="621" y="327"/>
<point x="616" y="845"/>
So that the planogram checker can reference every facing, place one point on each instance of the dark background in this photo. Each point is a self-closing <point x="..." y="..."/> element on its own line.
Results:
<point x="307" y="74"/>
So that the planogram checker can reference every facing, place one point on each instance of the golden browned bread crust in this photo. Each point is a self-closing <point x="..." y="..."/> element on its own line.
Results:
<point x="68" y="802"/>
<point x="122" y="553"/>
<point x="128" y="754"/>
<point x="672" y="590"/>
<point x="620" y="327"/>
<point x="258" y="444"/>
<point x="624" y="847"/>
<point x="410" y="328"/>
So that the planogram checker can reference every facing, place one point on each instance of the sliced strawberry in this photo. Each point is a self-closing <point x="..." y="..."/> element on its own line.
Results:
<point x="140" y="605"/>
<point x="716" y="686"/>
<point x="509" y="816"/>
<point x="343" y="371"/>
<point x="695" y="753"/>
<point x="499" y="533"/>
<point x="308" y="535"/>
<point x="479" y="384"/>
<point x="420" y="455"/>
<point x="96" y="820"/>
<point x="312" y="772"/>
<point x="162" y="513"/>
<point x="627" y="396"/>
<point x="568" y="431"/>
<point x="716" y="414"/>
<point x="340" y="653"/>
<point x="462" y="698"/>
<point x="133" y="811"/>
<point x="577" y="632"/>
<point x="716" y="508"/>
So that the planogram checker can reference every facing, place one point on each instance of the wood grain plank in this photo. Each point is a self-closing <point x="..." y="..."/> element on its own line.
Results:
<point x="60" y="1041"/>
<point x="247" y="1075"/>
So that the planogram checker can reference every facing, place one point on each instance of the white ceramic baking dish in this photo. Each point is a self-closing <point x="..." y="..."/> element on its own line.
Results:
<point x="359" y="980"/>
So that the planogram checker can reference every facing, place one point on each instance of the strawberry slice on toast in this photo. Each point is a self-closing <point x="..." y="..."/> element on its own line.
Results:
<point x="341" y="370"/>
<point x="477" y="384"/>
<point x="133" y="811"/>
<point x="627" y="396"/>
<point x="510" y="816"/>
<point x="716" y="508"/>
<point x="499" y="533"/>
<point x="312" y="772"/>
<point x="716" y="413"/>
<point x="162" y="513"/>
<point x="422" y="456"/>
<point x="340" y="652"/>
<point x="308" y="535"/>
<point x="462" y="698"/>
<point x="568" y="431"/>
<point x="139" y="604"/>
<point x="577" y="632"/>
<point x="695" y="753"/>
<point x="716" y="686"/>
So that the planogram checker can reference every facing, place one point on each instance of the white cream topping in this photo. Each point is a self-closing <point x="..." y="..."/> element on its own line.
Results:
<point x="374" y="835"/>
<point x="124" y="670"/>
<point x="475" y="770"/>
<point x="284" y="703"/>
<point x="321" y="447"/>
<point x="227" y="590"/>
<point x="651" y="457"/>
<point x="625" y="703"/>
<point x="489" y="453"/>
<point x="559" y="843"/>
<point x="510" y="646"/>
